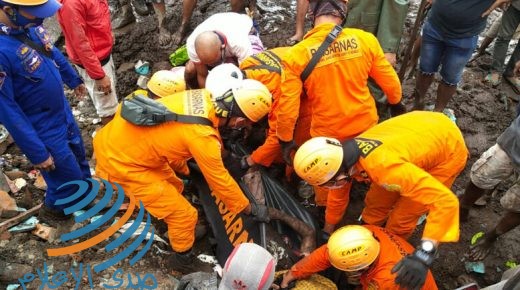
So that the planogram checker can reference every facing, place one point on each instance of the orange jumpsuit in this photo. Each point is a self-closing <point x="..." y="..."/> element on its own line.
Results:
<point x="266" y="68"/>
<point x="143" y="159"/>
<point x="392" y="249"/>
<point x="337" y="90"/>
<point x="412" y="161"/>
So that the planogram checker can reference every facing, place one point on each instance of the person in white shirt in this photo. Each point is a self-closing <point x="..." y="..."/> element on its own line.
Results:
<point x="224" y="37"/>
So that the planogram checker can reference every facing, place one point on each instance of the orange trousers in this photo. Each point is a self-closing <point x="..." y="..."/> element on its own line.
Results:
<point x="401" y="213"/>
<point x="163" y="199"/>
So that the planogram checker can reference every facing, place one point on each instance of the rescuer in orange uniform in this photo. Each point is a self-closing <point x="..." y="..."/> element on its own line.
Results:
<point x="266" y="68"/>
<point x="366" y="254"/>
<point x="411" y="161"/>
<point x="143" y="159"/>
<point x="340" y="102"/>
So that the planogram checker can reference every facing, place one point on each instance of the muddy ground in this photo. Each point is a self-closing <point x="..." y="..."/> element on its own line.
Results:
<point x="482" y="113"/>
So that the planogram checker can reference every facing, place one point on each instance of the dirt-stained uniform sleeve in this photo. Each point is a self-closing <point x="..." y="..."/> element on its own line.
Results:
<point x="317" y="261"/>
<point x="207" y="154"/>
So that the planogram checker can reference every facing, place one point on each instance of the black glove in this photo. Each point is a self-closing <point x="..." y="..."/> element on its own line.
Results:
<point x="397" y="109"/>
<point x="260" y="213"/>
<point x="287" y="148"/>
<point x="243" y="163"/>
<point x="233" y="165"/>
<point x="412" y="269"/>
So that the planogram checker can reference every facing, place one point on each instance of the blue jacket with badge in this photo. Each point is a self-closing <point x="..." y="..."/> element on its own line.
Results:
<point x="33" y="106"/>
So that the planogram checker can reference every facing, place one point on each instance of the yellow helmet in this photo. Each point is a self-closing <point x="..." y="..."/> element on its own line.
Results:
<point x="352" y="248"/>
<point x="318" y="160"/>
<point x="253" y="98"/>
<point x="164" y="83"/>
<point x="222" y="78"/>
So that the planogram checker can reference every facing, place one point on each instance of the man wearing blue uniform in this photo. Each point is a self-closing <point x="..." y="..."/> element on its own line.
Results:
<point x="33" y="106"/>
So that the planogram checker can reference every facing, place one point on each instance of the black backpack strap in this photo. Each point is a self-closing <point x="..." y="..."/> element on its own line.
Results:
<point x="186" y="119"/>
<point x="319" y="53"/>
<point x="264" y="65"/>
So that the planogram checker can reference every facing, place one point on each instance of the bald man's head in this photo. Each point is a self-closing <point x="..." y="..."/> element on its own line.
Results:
<point x="209" y="47"/>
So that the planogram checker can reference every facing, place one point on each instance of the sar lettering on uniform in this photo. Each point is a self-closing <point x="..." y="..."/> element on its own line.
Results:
<point x="343" y="48"/>
<point x="366" y="146"/>
<point x="196" y="103"/>
<point x="233" y="223"/>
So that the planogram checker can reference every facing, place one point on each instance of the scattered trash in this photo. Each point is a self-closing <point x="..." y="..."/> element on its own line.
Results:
<point x="78" y="213"/>
<point x="476" y="237"/>
<point x="511" y="264"/>
<point x="14" y="174"/>
<point x="45" y="232"/>
<point x="142" y="82"/>
<point x="19" y="218"/>
<point x="448" y="112"/>
<point x="3" y="133"/>
<point x="95" y="218"/>
<point x="142" y="67"/>
<point x="76" y="113"/>
<point x="477" y="267"/>
<point x="207" y="259"/>
<point x="180" y="56"/>
<point x="28" y="225"/>
<point x="139" y="230"/>
<point x="40" y="182"/>
<point x="12" y="287"/>
<point x="96" y="121"/>
<point x="199" y="280"/>
<point x="7" y="202"/>
<point x="20" y="183"/>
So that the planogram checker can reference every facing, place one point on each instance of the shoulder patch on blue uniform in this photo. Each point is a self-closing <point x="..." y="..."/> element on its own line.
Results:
<point x="44" y="37"/>
<point x="30" y="58"/>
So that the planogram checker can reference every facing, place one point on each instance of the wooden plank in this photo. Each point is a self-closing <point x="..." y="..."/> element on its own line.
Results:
<point x="19" y="218"/>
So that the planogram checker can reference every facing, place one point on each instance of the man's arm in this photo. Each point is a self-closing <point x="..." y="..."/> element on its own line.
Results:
<point x="442" y="223"/>
<point x="316" y="262"/>
<point x="202" y="74"/>
<point x="17" y="123"/>
<point x="207" y="154"/>
<point x="384" y="74"/>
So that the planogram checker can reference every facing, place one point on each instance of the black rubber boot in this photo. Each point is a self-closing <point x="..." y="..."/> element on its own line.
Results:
<point x="188" y="263"/>
<point x="53" y="217"/>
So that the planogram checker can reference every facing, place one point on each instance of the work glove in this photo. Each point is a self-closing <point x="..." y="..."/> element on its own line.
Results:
<point x="287" y="148"/>
<point x="243" y="163"/>
<point x="412" y="269"/>
<point x="397" y="109"/>
<point x="233" y="165"/>
<point x="260" y="212"/>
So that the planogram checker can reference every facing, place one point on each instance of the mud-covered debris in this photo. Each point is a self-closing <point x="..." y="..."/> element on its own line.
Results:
<point x="45" y="232"/>
<point x="477" y="267"/>
<point x="10" y="272"/>
<point x="20" y="183"/>
<point x="40" y="182"/>
<point x="14" y="174"/>
<point x="27" y="225"/>
<point x="7" y="202"/>
<point x="142" y="82"/>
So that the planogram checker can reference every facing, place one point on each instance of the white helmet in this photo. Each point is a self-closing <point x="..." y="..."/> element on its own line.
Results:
<point x="222" y="78"/>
